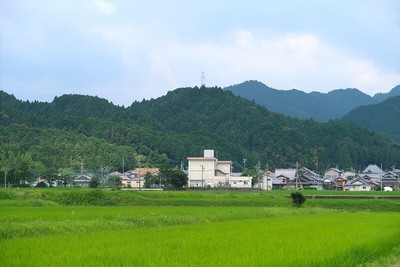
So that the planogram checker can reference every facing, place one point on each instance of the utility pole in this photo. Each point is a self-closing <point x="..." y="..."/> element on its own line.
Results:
<point x="139" y="176"/>
<point x="298" y="178"/>
<point x="258" y="167"/>
<point x="202" y="177"/>
<point x="244" y="165"/>
<point x="267" y="175"/>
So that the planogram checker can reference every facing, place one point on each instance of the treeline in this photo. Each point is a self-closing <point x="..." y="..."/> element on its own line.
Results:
<point x="183" y="123"/>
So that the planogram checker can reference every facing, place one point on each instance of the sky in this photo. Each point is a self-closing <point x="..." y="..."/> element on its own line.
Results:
<point x="127" y="51"/>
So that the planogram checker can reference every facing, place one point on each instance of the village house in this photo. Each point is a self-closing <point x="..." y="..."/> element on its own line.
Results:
<point x="390" y="179"/>
<point x="266" y="182"/>
<point x="333" y="173"/>
<point x="360" y="184"/>
<point x="130" y="179"/>
<point x="208" y="171"/>
<point x="82" y="181"/>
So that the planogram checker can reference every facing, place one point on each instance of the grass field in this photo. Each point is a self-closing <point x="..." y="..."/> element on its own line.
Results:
<point x="50" y="227"/>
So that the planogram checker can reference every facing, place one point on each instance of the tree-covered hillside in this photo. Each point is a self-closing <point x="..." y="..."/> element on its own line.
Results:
<point x="238" y="128"/>
<point x="183" y="123"/>
<point x="318" y="106"/>
<point x="383" y="117"/>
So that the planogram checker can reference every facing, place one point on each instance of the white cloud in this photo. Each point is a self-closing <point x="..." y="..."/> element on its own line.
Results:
<point x="104" y="7"/>
<point x="300" y="60"/>
<point x="292" y="60"/>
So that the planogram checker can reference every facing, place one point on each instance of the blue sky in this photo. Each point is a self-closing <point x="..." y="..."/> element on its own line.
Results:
<point x="129" y="50"/>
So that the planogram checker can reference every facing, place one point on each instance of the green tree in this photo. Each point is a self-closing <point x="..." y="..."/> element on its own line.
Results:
<point x="5" y="168"/>
<point x="252" y="173"/>
<point x="67" y="175"/>
<point x="94" y="182"/>
<point x="173" y="178"/>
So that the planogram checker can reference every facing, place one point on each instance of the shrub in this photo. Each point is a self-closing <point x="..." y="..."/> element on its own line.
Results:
<point x="41" y="184"/>
<point x="298" y="199"/>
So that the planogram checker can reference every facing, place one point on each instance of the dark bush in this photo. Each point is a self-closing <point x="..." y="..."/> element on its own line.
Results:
<point x="41" y="184"/>
<point x="297" y="198"/>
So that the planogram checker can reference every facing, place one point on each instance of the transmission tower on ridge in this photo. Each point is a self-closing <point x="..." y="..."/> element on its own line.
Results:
<point x="203" y="79"/>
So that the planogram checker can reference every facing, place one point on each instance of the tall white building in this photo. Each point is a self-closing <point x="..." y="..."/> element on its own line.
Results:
<point x="208" y="171"/>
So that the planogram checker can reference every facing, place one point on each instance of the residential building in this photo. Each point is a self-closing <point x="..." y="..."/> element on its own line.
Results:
<point x="333" y="173"/>
<point x="82" y="181"/>
<point x="360" y="184"/>
<point x="131" y="178"/>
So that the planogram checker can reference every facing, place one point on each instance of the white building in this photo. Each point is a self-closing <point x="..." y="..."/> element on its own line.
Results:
<point x="208" y="171"/>
<point x="266" y="182"/>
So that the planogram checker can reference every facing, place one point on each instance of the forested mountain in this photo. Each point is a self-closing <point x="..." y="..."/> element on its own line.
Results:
<point x="182" y="123"/>
<point x="72" y="132"/>
<point x="318" y="106"/>
<point x="383" y="96"/>
<point x="383" y="117"/>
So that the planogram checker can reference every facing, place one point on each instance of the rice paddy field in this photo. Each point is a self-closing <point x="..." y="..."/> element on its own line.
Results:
<point x="82" y="227"/>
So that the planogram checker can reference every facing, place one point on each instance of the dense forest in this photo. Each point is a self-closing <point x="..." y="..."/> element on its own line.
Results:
<point x="76" y="131"/>
<point x="383" y="117"/>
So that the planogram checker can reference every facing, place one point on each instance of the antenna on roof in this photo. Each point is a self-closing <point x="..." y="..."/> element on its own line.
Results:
<point x="203" y="79"/>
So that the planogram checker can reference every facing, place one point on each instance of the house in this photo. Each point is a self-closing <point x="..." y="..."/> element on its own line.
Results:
<point x="291" y="179"/>
<point x="341" y="183"/>
<point x="266" y="182"/>
<point x="208" y="171"/>
<point x="372" y="173"/>
<point x="82" y="181"/>
<point x="130" y="179"/>
<point x="373" y="169"/>
<point x="390" y="179"/>
<point x="288" y="173"/>
<point x="305" y="181"/>
<point x="360" y="184"/>
<point x="333" y="173"/>
<point x="142" y="172"/>
<point x="308" y="172"/>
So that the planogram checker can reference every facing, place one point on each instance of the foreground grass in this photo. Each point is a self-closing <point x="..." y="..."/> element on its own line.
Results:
<point x="301" y="240"/>
<point x="278" y="198"/>
<point x="82" y="227"/>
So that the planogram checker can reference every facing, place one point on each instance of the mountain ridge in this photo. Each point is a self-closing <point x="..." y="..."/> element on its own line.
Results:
<point x="316" y="105"/>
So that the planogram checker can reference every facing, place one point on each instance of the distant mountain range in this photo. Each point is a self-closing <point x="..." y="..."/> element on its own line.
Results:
<point x="383" y="117"/>
<point x="318" y="106"/>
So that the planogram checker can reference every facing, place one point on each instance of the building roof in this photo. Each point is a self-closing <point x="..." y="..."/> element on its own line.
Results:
<point x="82" y="178"/>
<point x="289" y="173"/>
<point x="359" y="182"/>
<point x="201" y="158"/>
<point x="334" y="169"/>
<point x="373" y="168"/>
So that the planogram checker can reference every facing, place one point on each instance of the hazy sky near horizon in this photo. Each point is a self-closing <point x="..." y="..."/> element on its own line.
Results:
<point x="129" y="50"/>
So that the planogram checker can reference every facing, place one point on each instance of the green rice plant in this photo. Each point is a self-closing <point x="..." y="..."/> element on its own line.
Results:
<point x="330" y="239"/>
<point x="16" y="222"/>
